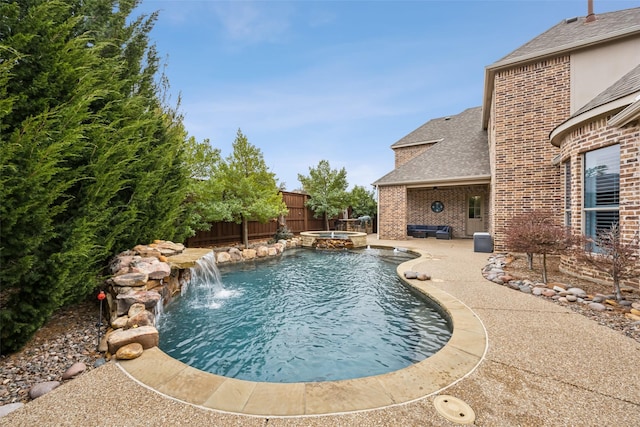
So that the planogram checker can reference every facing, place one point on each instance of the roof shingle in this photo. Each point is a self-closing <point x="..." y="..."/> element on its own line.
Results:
<point x="572" y="33"/>
<point x="462" y="151"/>
<point x="628" y="84"/>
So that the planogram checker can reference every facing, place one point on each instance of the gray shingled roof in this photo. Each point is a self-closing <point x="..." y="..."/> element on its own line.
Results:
<point x="573" y="34"/>
<point x="461" y="154"/>
<point x="627" y="85"/>
<point x="567" y="36"/>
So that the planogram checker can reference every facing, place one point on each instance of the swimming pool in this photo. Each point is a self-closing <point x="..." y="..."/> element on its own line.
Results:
<point x="307" y="316"/>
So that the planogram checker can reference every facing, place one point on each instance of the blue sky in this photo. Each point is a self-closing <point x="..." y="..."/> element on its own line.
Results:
<point x="337" y="80"/>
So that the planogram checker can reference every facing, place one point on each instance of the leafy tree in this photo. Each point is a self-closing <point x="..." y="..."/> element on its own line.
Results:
<point x="250" y="190"/>
<point x="327" y="189"/>
<point x="363" y="202"/>
<point x="612" y="255"/>
<point x="536" y="232"/>
<point x="204" y="201"/>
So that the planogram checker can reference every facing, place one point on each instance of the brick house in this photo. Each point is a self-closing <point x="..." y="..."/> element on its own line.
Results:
<point x="560" y="107"/>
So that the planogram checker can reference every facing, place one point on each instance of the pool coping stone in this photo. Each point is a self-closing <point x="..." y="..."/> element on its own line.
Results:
<point x="462" y="354"/>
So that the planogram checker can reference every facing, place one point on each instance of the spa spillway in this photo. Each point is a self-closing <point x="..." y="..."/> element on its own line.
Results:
<point x="333" y="239"/>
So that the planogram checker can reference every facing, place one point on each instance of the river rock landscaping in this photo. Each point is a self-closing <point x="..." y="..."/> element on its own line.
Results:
<point x="594" y="300"/>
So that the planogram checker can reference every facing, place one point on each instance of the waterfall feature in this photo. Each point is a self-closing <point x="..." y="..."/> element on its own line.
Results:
<point x="207" y="284"/>
<point x="158" y="309"/>
<point x="206" y="271"/>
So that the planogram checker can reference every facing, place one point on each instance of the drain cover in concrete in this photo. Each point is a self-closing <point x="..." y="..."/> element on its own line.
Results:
<point x="454" y="409"/>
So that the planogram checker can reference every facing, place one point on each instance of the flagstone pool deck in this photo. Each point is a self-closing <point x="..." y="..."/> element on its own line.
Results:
<point x="515" y="359"/>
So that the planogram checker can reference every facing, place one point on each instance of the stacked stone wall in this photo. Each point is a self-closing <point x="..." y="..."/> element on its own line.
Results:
<point x="529" y="102"/>
<point x="147" y="277"/>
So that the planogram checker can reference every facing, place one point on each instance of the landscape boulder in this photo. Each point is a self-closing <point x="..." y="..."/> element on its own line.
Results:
<point x="153" y="268"/>
<point x="74" y="370"/>
<point x="249" y="254"/>
<point x="146" y="336"/>
<point x="223" y="257"/>
<point x="141" y="318"/>
<point x="129" y="351"/>
<point x="125" y="301"/>
<point x="167" y="248"/>
<point x="410" y="275"/>
<point x="131" y="280"/>
<point x="43" y="388"/>
<point x="235" y="254"/>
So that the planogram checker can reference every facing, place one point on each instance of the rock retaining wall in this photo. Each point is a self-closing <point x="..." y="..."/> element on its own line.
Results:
<point x="149" y="275"/>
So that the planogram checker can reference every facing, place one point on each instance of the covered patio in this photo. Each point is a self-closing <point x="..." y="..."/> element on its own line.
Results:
<point x="442" y="177"/>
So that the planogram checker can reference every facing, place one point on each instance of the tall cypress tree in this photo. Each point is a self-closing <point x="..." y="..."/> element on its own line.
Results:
<point x="39" y="135"/>
<point x="92" y="161"/>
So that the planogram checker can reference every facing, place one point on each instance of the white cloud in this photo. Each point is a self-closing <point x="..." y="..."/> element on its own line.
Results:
<point x="323" y="95"/>
<point x="253" y="22"/>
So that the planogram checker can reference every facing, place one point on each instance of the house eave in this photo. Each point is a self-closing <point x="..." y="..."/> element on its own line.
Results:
<point x="445" y="182"/>
<point x="491" y="70"/>
<point x="412" y="144"/>
<point x="631" y="112"/>
<point x="626" y="116"/>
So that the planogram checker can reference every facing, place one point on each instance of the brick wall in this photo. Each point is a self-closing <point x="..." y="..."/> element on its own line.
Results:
<point x="404" y="154"/>
<point x="593" y="135"/>
<point x="529" y="101"/>
<point x="455" y="201"/>
<point x="392" y="221"/>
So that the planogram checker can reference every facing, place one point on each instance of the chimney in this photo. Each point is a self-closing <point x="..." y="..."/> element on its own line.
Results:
<point x="591" y="17"/>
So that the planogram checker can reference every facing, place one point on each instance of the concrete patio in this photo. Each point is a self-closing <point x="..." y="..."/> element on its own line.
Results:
<point x="541" y="365"/>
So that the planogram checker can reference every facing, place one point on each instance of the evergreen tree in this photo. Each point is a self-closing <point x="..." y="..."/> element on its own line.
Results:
<point x="327" y="189"/>
<point x="93" y="162"/>
<point x="40" y="139"/>
<point x="250" y="190"/>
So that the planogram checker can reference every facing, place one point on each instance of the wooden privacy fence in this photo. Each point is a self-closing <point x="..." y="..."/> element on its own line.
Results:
<point x="300" y="218"/>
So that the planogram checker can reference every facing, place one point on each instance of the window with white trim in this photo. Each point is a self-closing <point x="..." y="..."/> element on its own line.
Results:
<point x="601" y="189"/>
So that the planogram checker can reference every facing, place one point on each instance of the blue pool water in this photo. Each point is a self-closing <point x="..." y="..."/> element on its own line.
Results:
<point x="304" y="317"/>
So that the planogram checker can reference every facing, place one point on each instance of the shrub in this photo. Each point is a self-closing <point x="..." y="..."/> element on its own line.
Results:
<point x="536" y="232"/>
<point x="610" y="254"/>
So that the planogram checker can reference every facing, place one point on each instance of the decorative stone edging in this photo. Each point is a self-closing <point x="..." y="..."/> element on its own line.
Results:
<point x="461" y="355"/>
<point x="494" y="272"/>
